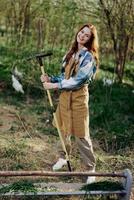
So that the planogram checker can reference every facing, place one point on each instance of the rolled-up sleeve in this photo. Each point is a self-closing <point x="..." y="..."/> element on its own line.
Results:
<point x="59" y="78"/>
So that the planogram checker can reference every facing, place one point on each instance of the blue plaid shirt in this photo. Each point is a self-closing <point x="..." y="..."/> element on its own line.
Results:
<point x="86" y="70"/>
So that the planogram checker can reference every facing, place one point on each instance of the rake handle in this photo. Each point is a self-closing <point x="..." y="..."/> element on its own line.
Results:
<point x="57" y="125"/>
<point x="48" y="93"/>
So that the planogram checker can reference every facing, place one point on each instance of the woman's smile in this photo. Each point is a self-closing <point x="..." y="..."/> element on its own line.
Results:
<point x="83" y="36"/>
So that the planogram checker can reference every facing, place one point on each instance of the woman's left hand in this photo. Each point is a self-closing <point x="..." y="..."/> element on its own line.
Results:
<point x="48" y="86"/>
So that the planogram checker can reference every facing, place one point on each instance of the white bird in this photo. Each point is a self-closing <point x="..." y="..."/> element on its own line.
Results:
<point x="17" y="85"/>
<point x="107" y="82"/>
<point x="17" y="73"/>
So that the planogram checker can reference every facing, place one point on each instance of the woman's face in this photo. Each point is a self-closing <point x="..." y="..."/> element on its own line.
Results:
<point x="83" y="36"/>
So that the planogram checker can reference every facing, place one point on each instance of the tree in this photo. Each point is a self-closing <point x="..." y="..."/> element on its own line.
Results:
<point x="24" y="15"/>
<point x="118" y="16"/>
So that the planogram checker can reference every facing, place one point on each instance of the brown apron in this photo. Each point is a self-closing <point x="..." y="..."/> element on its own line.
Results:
<point x="72" y="111"/>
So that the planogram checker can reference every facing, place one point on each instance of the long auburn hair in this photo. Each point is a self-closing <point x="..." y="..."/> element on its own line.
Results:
<point x="92" y="44"/>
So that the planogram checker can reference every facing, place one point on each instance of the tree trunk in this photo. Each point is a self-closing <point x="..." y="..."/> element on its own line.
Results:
<point x="120" y="31"/>
<point x="120" y="55"/>
<point x="40" y="27"/>
<point x="24" y="20"/>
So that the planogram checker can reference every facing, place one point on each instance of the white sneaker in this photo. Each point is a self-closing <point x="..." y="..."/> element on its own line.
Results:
<point x="91" y="179"/>
<point x="59" y="164"/>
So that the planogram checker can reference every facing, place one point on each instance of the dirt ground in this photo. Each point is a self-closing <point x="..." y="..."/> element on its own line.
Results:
<point x="21" y="143"/>
<point x="16" y="128"/>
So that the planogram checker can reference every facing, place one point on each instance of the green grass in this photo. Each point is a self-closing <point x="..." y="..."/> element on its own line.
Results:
<point x="103" y="186"/>
<point x="111" y="114"/>
<point x="15" y="150"/>
<point x="24" y="186"/>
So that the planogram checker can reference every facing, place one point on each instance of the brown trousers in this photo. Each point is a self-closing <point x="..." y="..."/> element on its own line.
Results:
<point x="85" y="149"/>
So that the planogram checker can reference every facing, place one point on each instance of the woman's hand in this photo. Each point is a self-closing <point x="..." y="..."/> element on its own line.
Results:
<point x="45" y="78"/>
<point x="48" y="86"/>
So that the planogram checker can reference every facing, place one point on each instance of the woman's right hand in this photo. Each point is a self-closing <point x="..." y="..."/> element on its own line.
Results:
<point x="45" y="78"/>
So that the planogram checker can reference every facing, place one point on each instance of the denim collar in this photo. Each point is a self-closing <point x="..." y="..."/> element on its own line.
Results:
<point x="83" y="51"/>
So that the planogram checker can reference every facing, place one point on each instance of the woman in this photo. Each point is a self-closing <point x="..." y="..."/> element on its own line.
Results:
<point x="79" y="67"/>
